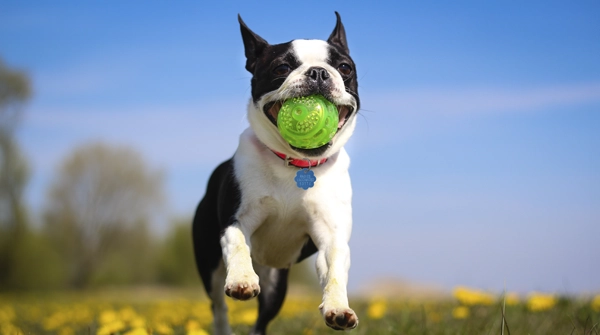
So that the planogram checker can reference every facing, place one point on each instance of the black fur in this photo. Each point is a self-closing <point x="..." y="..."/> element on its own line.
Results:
<point x="270" y="302"/>
<point x="213" y="215"/>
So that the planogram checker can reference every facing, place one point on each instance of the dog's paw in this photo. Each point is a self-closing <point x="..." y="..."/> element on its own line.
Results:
<point x="341" y="318"/>
<point x="243" y="290"/>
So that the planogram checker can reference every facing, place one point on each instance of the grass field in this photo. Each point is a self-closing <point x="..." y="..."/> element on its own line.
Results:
<point x="153" y="311"/>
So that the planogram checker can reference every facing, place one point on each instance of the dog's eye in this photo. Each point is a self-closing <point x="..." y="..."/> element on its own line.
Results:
<point x="345" y="69"/>
<point x="282" y="70"/>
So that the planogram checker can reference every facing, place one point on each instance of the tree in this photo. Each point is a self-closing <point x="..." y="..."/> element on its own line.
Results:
<point x="176" y="264"/>
<point x="98" y="211"/>
<point x="14" y="92"/>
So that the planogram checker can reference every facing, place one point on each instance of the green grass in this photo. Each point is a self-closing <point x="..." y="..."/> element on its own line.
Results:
<point x="181" y="312"/>
<point x="569" y="316"/>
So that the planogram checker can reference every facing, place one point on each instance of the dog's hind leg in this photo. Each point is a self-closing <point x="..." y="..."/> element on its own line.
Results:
<point x="213" y="276"/>
<point x="209" y="260"/>
<point x="273" y="287"/>
<point x="218" y="306"/>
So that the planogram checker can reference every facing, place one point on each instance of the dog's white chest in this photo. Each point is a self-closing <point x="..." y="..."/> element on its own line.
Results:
<point x="277" y="242"/>
<point x="288" y="215"/>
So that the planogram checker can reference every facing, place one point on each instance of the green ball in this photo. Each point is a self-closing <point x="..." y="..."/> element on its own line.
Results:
<point x="308" y="122"/>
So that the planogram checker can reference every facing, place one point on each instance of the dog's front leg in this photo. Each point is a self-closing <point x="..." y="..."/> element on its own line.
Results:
<point x="333" y="263"/>
<point x="242" y="281"/>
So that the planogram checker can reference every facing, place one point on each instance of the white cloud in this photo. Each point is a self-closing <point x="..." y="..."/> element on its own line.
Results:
<point x="171" y="136"/>
<point x="114" y="71"/>
<point x="394" y="116"/>
<point x="76" y="80"/>
<point x="478" y="101"/>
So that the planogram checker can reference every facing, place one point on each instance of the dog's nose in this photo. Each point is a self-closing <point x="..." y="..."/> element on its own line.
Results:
<point x="317" y="74"/>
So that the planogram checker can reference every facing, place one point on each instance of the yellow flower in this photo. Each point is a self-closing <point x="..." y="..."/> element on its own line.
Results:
<point x="245" y="317"/>
<point x="66" y="331"/>
<point x="163" y="329"/>
<point x="471" y="297"/>
<point x="138" y="322"/>
<point x="7" y="314"/>
<point x="298" y="307"/>
<point x="197" y="332"/>
<point x="111" y="328"/>
<point x="512" y="299"/>
<point x="54" y="321"/>
<point x="540" y="302"/>
<point x="377" y="309"/>
<point x="596" y="303"/>
<point x="137" y="331"/>
<point x="107" y="316"/>
<point x="201" y="311"/>
<point x="460" y="312"/>
<point x="127" y="314"/>
<point x="9" y="328"/>
<point x="192" y="325"/>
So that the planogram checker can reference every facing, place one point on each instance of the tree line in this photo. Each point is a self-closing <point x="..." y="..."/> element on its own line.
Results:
<point x="94" y="227"/>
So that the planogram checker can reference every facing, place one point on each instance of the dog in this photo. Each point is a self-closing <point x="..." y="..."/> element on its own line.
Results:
<point x="255" y="221"/>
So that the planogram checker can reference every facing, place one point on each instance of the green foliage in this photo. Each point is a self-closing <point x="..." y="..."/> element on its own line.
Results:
<point x="176" y="265"/>
<point x="130" y="263"/>
<point x="36" y="264"/>
<point x="97" y="214"/>
<point x="14" y="91"/>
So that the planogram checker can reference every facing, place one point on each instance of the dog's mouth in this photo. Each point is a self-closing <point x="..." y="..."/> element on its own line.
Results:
<point x="271" y="110"/>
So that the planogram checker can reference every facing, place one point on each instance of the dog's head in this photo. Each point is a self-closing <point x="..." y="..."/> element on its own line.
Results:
<point x="300" y="68"/>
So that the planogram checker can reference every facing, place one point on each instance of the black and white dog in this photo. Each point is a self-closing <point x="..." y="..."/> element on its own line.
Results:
<point x="254" y="221"/>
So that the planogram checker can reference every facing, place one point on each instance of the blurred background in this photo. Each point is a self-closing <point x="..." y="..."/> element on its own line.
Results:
<point x="476" y="159"/>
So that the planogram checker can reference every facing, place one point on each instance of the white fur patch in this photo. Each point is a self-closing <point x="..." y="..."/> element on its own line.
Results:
<point x="311" y="51"/>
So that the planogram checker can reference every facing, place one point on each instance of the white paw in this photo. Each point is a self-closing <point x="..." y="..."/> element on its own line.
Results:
<point x="340" y="318"/>
<point x="244" y="289"/>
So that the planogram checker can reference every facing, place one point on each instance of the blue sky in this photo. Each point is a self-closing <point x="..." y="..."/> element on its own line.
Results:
<point x="476" y="158"/>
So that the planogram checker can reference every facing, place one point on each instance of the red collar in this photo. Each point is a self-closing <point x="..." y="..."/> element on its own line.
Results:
<point x="301" y="163"/>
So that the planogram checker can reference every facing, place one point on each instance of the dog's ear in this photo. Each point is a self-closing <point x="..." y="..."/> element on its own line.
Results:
<point x="338" y="36"/>
<point x="254" y="45"/>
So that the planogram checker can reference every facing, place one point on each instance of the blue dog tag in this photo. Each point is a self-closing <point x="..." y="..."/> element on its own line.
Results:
<point x="305" y="179"/>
